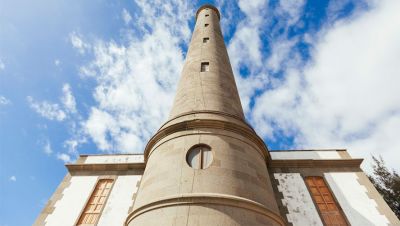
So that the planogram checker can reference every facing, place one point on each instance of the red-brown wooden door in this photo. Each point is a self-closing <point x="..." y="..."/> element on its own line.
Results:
<point x="327" y="206"/>
<point x="95" y="205"/>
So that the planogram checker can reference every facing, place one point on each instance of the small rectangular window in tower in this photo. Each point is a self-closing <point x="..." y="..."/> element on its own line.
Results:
<point x="207" y="15"/>
<point x="323" y="198"/>
<point x="96" y="203"/>
<point x="205" y="40"/>
<point x="205" y="66"/>
<point x="205" y="25"/>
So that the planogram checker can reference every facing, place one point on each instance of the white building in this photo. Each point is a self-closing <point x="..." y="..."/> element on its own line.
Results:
<point x="207" y="166"/>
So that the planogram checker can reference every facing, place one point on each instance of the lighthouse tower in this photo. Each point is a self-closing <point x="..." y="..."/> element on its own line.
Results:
<point x="206" y="165"/>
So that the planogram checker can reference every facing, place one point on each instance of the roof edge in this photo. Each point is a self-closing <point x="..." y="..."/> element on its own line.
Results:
<point x="323" y="149"/>
<point x="114" y="154"/>
<point x="315" y="163"/>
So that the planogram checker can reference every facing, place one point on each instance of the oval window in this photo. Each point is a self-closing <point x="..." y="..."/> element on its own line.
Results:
<point x="199" y="157"/>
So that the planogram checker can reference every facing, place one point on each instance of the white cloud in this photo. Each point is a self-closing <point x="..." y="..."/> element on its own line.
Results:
<point x="72" y="145"/>
<point x="99" y="126"/>
<point x="78" y="43"/>
<point x="47" y="148"/>
<point x="135" y="89"/>
<point x="282" y="54"/>
<point x="13" y="178"/>
<point x="53" y="111"/>
<point x="335" y="8"/>
<point x="57" y="62"/>
<point x="65" y="111"/>
<point x="2" y="65"/>
<point x="348" y="95"/>
<point x="281" y="49"/>
<point x="245" y="46"/>
<point x="291" y="10"/>
<point x="4" y="101"/>
<point x="64" y="157"/>
<point x="245" y="50"/>
<point x="253" y="10"/>
<point x="47" y="110"/>
<point x="68" y="99"/>
<point x="126" y="16"/>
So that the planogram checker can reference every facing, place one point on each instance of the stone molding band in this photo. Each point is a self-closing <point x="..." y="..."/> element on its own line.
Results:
<point x="209" y="124"/>
<point x="105" y="166"/>
<point x="206" y="198"/>
<point x="314" y="163"/>
<point x="207" y="112"/>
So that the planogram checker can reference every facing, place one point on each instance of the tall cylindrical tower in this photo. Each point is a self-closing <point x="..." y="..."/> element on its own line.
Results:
<point x="206" y="165"/>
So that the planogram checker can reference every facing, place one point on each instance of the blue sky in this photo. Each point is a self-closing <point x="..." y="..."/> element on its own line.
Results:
<point x="99" y="77"/>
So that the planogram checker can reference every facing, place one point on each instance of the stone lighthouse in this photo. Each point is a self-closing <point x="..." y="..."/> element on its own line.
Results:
<point x="206" y="166"/>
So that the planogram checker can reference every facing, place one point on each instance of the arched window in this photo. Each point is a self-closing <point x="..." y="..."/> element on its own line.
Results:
<point x="199" y="157"/>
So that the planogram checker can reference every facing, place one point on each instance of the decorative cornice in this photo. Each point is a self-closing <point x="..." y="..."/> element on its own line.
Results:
<point x="315" y="163"/>
<point x="304" y="150"/>
<point x="209" y="124"/>
<point x="116" y="154"/>
<point x="207" y="112"/>
<point x="206" y="198"/>
<point x="105" y="167"/>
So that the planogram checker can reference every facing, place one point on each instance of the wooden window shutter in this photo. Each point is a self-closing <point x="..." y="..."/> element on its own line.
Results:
<point x="96" y="203"/>
<point x="322" y="196"/>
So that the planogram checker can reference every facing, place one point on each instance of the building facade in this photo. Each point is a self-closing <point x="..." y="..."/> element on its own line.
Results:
<point x="207" y="166"/>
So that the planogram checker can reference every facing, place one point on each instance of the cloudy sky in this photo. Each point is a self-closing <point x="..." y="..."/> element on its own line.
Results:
<point x="99" y="77"/>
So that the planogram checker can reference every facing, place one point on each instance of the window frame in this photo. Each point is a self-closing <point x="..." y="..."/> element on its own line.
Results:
<point x="201" y="156"/>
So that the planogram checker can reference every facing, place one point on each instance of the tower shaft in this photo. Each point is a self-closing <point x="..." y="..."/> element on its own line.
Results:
<point x="214" y="88"/>
<point x="206" y="165"/>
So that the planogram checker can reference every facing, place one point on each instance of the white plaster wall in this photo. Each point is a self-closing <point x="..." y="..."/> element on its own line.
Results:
<point x="297" y="199"/>
<point x="93" y="159"/>
<point x="119" y="201"/>
<point x="305" y="155"/>
<point x="352" y="197"/>
<point x="74" y="198"/>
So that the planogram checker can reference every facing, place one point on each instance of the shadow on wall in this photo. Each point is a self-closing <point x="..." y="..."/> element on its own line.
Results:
<point x="234" y="216"/>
